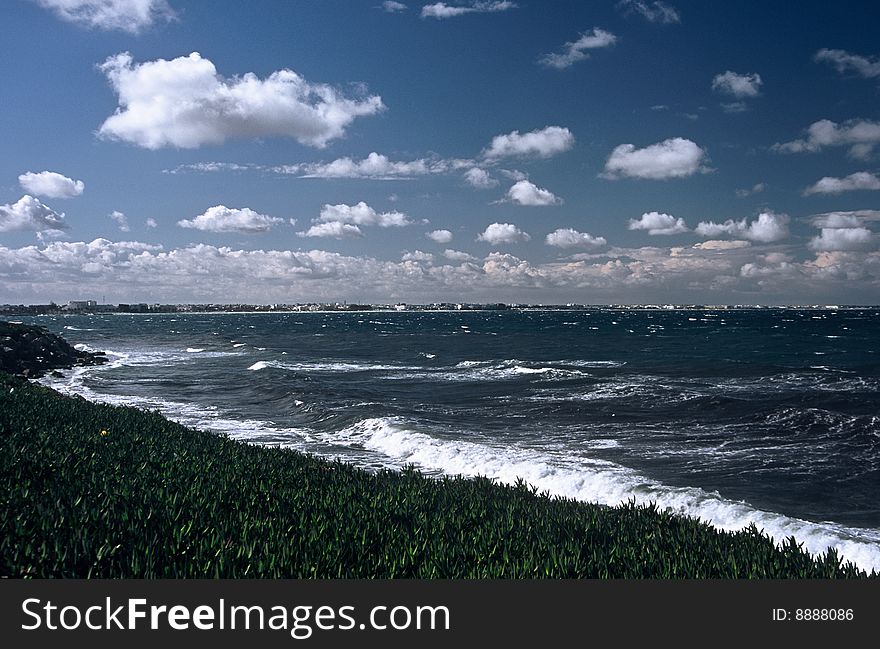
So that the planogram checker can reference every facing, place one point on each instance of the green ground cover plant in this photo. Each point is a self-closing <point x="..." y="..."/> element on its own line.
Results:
<point x="93" y="490"/>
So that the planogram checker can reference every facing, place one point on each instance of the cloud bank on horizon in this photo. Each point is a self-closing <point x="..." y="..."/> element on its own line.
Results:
<point x="470" y="149"/>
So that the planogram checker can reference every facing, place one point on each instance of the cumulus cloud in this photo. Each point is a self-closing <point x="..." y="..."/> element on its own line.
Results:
<point x="185" y="103"/>
<point x="479" y="178"/>
<point x="529" y="194"/>
<point x="333" y="229"/>
<point x="498" y="233"/>
<point x="361" y="214"/>
<point x="439" y="236"/>
<point x="390" y="6"/>
<point x="131" y="16"/>
<point x="721" y="244"/>
<point x="441" y="10"/>
<point x="860" y="135"/>
<point x="578" y="50"/>
<point x="843" y="61"/>
<point x="458" y="255"/>
<point x="658" y="223"/>
<point x="375" y="166"/>
<point x="418" y="256"/>
<point x="841" y="239"/>
<point x="133" y="271"/>
<point x="740" y="86"/>
<point x="540" y="143"/>
<point x="50" y="184"/>
<point x="151" y="223"/>
<point x="655" y="12"/>
<point x="28" y="213"/>
<point x="121" y="221"/>
<point x="570" y="238"/>
<point x="768" y="227"/>
<point x="672" y="158"/>
<point x="852" y="219"/>
<point x="226" y="219"/>
<point x="861" y="180"/>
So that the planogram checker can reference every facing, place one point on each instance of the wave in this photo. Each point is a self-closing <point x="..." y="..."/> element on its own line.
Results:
<point x="71" y="328"/>
<point x="330" y="366"/>
<point x="595" y="480"/>
<point x="489" y="371"/>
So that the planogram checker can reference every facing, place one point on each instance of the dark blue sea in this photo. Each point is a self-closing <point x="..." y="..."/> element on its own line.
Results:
<point x="765" y="416"/>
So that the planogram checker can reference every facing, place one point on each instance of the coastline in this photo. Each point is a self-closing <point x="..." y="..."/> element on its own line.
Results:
<point x="113" y="491"/>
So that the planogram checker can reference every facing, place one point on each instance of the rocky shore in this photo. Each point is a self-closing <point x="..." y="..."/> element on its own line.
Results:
<point x="32" y="351"/>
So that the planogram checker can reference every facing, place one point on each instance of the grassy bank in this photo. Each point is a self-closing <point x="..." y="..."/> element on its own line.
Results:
<point x="91" y="490"/>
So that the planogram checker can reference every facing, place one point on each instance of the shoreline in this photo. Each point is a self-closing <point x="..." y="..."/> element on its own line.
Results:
<point x="420" y="526"/>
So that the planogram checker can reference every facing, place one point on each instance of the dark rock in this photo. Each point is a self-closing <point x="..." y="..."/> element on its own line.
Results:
<point x="32" y="351"/>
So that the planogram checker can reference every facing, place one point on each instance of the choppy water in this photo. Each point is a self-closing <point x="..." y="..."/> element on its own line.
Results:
<point x="764" y="416"/>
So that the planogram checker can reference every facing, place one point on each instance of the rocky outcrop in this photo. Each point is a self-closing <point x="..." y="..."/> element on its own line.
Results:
<point x="31" y="351"/>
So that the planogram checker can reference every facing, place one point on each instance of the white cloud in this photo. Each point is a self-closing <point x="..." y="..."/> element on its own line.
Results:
<point x="375" y="166"/>
<point x="185" y="103"/>
<point x="861" y="135"/>
<point x="50" y="184"/>
<point x="540" y="143"/>
<point x="843" y="61"/>
<point x="529" y="194"/>
<point x="226" y="219"/>
<point x="514" y="174"/>
<point x="361" y="214"/>
<point x="129" y="271"/>
<point x="861" y="180"/>
<point x="841" y="239"/>
<point x="391" y="6"/>
<point x="570" y="238"/>
<point x="28" y="213"/>
<point x="658" y="223"/>
<point x="121" y="221"/>
<point x="735" y="107"/>
<point x="579" y="50"/>
<point x="655" y="12"/>
<point x="741" y="86"/>
<point x="418" y="256"/>
<point x="440" y="236"/>
<point x="479" y="178"/>
<point x="458" y="255"/>
<point x="768" y="227"/>
<point x="754" y="189"/>
<point x="851" y="219"/>
<point x="497" y="233"/>
<point x="672" y="158"/>
<point x="210" y="167"/>
<point x="441" y="10"/>
<point x="131" y="16"/>
<point x="151" y="223"/>
<point x="720" y="244"/>
<point x="334" y="229"/>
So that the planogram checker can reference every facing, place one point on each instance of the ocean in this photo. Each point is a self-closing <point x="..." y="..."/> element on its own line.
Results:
<point x="764" y="416"/>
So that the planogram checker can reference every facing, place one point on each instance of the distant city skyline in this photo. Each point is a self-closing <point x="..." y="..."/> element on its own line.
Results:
<point x="624" y="152"/>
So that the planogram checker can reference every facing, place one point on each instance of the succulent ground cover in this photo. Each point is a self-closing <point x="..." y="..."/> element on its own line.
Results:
<point x="92" y="490"/>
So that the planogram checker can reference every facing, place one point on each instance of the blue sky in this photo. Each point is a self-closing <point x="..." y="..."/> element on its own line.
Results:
<point x="541" y="152"/>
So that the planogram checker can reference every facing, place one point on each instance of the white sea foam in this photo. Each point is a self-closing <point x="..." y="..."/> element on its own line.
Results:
<point x="194" y="350"/>
<point x="259" y="365"/>
<point x="595" y="480"/>
<point x="477" y="371"/>
<point x="71" y="328"/>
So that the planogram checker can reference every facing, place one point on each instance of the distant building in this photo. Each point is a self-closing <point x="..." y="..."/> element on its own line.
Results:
<point x="81" y="305"/>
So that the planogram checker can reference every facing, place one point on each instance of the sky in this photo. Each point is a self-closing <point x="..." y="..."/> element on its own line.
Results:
<point x="541" y="152"/>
